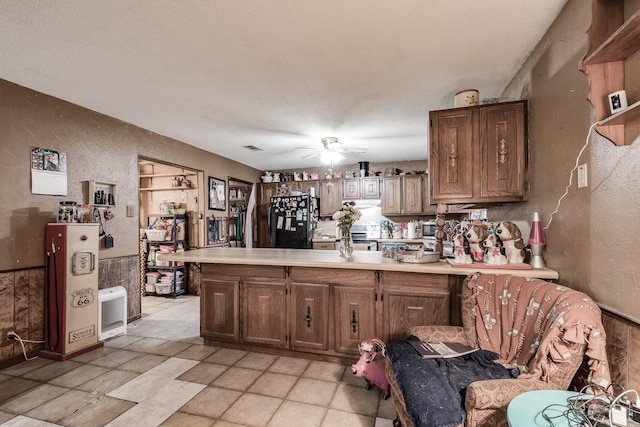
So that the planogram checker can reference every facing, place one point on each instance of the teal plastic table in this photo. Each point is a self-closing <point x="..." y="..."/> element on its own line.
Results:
<point x="526" y="409"/>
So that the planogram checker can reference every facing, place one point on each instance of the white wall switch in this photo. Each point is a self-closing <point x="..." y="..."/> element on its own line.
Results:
<point x="582" y="176"/>
<point x="130" y="210"/>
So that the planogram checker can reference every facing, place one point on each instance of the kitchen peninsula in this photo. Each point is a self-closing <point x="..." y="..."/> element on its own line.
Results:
<point x="316" y="304"/>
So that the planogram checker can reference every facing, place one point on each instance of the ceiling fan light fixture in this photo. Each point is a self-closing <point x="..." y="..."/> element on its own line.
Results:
<point x="330" y="157"/>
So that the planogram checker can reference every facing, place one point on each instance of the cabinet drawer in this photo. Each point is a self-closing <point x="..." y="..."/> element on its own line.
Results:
<point x="324" y="245"/>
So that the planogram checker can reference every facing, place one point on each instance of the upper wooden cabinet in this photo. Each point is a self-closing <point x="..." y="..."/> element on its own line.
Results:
<point x="361" y="188"/>
<point x="330" y="197"/>
<point x="404" y="195"/>
<point x="479" y="154"/>
<point x="611" y="41"/>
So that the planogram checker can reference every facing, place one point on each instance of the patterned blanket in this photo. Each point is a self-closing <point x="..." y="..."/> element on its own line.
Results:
<point x="532" y="325"/>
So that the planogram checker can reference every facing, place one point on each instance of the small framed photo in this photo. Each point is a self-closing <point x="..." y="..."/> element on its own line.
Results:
<point x="217" y="194"/>
<point x="618" y="101"/>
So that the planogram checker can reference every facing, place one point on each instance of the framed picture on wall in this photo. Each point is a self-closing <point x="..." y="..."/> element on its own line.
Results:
<point x="217" y="194"/>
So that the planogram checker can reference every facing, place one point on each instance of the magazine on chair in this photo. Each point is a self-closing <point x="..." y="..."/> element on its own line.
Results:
<point x="432" y="350"/>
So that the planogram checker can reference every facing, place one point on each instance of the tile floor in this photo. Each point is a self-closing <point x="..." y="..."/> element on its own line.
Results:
<point x="160" y="374"/>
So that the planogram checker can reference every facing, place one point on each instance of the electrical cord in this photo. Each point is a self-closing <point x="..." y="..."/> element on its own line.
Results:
<point x="566" y="191"/>
<point x="13" y="335"/>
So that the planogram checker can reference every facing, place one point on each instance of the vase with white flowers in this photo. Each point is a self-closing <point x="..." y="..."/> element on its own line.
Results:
<point x="345" y="218"/>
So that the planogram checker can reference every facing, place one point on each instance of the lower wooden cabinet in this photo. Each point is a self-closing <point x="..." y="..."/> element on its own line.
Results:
<point x="327" y="312"/>
<point x="262" y="306"/>
<point x="219" y="310"/>
<point x="309" y="316"/>
<point x="354" y="317"/>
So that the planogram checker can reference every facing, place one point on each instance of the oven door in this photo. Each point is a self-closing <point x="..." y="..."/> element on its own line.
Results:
<point x="365" y="245"/>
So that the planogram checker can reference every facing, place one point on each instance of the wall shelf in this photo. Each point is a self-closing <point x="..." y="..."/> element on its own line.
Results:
<point x="167" y="189"/>
<point x="611" y="41"/>
<point x="109" y="189"/>
<point x="166" y="175"/>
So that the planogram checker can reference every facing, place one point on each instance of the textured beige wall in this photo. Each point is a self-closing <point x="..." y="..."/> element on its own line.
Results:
<point x="591" y="240"/>
<point x="98" y="148"/>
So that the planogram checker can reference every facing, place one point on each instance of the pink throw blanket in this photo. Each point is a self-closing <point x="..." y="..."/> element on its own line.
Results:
<point x="532" y="323"/>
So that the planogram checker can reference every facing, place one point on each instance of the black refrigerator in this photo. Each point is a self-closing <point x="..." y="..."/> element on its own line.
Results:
<point x="292" y="220"/>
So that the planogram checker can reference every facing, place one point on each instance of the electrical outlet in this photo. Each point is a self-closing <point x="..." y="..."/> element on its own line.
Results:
<point x="582" y="176"/>
<point x="5" y="336"/>
<point x="129" y="210"/>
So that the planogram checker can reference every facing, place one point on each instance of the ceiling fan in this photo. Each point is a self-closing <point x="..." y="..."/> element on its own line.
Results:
<point x="333" y="150"/>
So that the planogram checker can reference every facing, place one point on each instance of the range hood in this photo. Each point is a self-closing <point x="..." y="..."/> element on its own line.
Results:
<point x="366" y="203"/>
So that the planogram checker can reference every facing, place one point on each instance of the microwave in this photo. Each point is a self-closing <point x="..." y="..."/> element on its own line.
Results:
<point x="428" y="229"/>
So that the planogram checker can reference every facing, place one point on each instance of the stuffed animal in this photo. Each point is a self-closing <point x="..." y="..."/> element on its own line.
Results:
<point x="476" y="235"/>
<point x="461" y="251"/>
<point x="494" y="254"/>
<point x="511" y="238"/>
<point x="370" y="366"/>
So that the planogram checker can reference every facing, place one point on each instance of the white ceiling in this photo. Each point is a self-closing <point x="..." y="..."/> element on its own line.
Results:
<point x="276" y="74"/>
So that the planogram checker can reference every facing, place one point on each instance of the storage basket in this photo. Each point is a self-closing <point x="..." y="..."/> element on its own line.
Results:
<point x="152" y="278"/>
<point x="150" y="287"/>
<point x="162" y="288"/>
<point x="157" y="235"/>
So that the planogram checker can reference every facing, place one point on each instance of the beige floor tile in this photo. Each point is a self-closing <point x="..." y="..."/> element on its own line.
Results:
<point x="349" y="378"/>
<point x="226" y="356"/>
<point x="337" y="418"/>
<point x="26" y="366"/>
<point x="314" y="392"/>
<point x="22" y="421"/>
<point x="325" y="371"/>
<point x="203" y="373"/>
<point x="145" y="345"/>
<point x="198" y="352"/>
<point x="5" y="416"/>
<point x="159" y="406"/>
<point x="61" y="407"/>
<point x="100" y="411"/>
<point x="356" y="399"/>
<point x="182" y="419"/>
<point x="237" y="378"/>
<point x="211" y="402"/>
<point x="383" y="422"/>
<point x="386" y="409"/>
<point x="143" y="363"/>
<point x="253" y="360"/>
<point x="275" y="385"/>
<point x="227" y="424"/>
<point x="78" y="376"/>
<point x="121" y="341"/>
<point x="51" y="371"/>
<point x="170" y="348"/>
<point x="4" y="378"/>
<point x="14" y="387"/>
<point x="108" y="381"/>
<point x="289" y="365"/>
<point x="33" y="398"/>
<point x="296" y="414"/>
<point x="146" y="385"/>
<point x="252" y="410"/>
<point x="93" y="354"/>
<point x="115" y="358"/>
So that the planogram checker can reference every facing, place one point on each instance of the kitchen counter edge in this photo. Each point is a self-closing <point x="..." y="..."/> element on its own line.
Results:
<point x="361" y="260"/>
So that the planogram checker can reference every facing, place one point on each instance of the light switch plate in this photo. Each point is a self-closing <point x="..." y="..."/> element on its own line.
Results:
<point x="130" y="210"/>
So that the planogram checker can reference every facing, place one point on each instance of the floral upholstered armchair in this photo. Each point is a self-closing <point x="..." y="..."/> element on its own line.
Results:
<point x="534" y="333"/>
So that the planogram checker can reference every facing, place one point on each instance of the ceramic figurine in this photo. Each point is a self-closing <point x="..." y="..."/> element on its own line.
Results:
<point x="305" y="176"/>
<point x="511" y="238"/>
<point x="494" y="250"/>
<point x="276" y="177"/>
<point x="370" y="366"/>
<point x="296" y="176"/>
<point x="476" y="234"/>
<point x="461" y="251"/>
<point x="267" y="177"/>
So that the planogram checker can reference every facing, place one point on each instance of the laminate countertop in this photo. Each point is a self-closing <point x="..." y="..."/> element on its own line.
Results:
<point x="361" y="260"/>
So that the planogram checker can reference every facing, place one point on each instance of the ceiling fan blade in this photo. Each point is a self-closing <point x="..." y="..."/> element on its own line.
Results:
<point x="310" y="155"/>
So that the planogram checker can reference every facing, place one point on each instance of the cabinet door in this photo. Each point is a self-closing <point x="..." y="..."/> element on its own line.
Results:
<point x="330" y="197"/>
<point x="391" y="195"/>
<point x="354" y="317"/>
<point x="503" y="150"/>
<point x="351" y="188"/>
<point x="219" y="303"/>
<point x="451" y="162"/>
<point x="264" y="319"/>
<point x="370" y="188"/>
<point x="403" y="309"/>
<point x="309" y="316"/>
<point x="412" y="194"/>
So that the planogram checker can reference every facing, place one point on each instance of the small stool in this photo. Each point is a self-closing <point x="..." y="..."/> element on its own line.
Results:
<point x="112" y="312"/>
